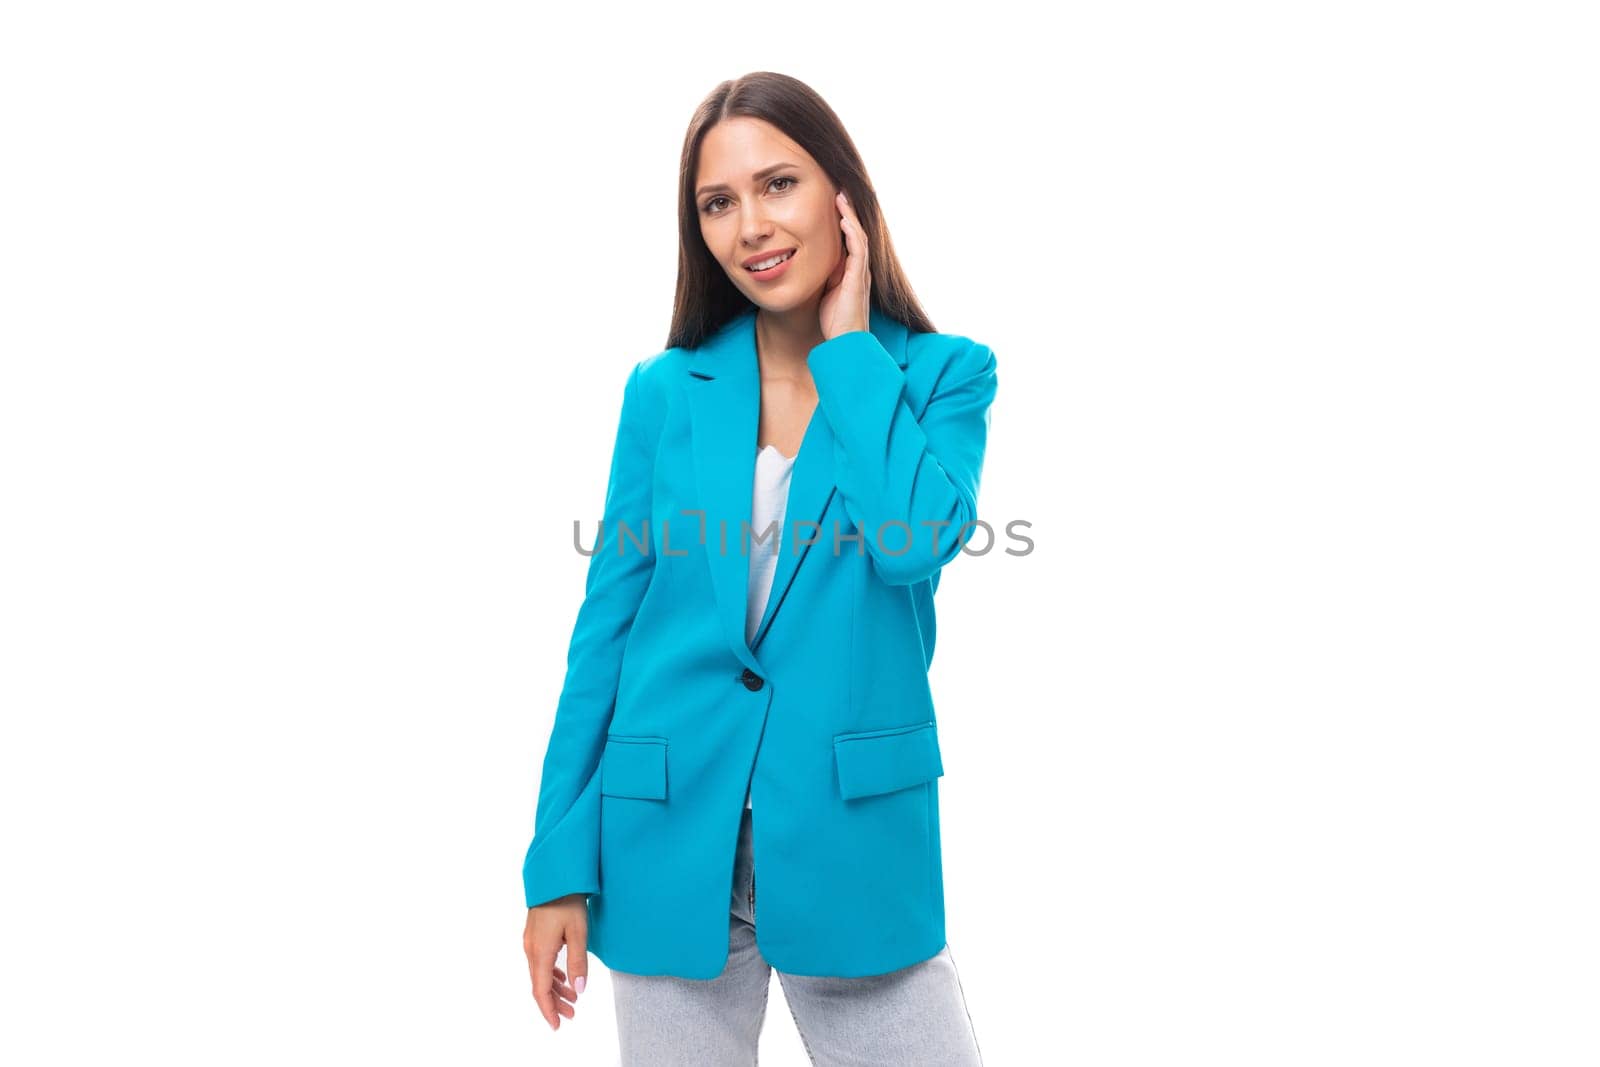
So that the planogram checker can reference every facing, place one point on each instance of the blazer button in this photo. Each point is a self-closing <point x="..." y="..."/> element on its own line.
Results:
<point x="752" y="681"/>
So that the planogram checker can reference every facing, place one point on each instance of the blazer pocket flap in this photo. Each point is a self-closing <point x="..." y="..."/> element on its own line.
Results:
<point x="882" y="761"/>
<point x="634" y="767"/>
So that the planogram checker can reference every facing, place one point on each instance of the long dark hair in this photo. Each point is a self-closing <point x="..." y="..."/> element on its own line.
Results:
<point x="706" y="299"/>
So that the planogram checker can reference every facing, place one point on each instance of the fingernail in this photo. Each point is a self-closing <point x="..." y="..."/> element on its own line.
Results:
<point x="579" y="982"/>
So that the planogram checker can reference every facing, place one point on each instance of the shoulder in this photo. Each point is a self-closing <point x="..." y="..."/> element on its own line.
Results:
<point x="655" y="376"/>
<point x="944" y="357"/>
<point x="652" y="382"/>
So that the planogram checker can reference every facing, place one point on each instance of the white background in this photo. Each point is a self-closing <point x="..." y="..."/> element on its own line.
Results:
<point x="1278" y="749"/>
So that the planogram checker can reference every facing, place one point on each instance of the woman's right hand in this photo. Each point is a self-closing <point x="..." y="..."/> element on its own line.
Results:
<point x="564" y="920"/>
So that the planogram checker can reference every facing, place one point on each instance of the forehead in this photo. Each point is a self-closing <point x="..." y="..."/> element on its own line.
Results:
<point x="735" y="147"/>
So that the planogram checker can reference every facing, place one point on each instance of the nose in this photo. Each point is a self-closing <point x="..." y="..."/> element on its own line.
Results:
<point x="754" y="227"/>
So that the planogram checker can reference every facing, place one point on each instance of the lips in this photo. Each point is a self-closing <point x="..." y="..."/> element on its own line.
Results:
<point x="763" y="257"/>
<point x="772" y="275"/>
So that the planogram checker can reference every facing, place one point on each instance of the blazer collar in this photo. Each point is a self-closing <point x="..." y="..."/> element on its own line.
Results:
<point x="732" y="348"/>
<point x="725" y="411"/>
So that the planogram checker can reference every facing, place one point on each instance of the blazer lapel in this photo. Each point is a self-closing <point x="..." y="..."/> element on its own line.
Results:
<point x="725" y="413"/>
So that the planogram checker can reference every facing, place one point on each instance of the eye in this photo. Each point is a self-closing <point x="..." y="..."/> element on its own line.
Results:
<point x="710" y="204"/>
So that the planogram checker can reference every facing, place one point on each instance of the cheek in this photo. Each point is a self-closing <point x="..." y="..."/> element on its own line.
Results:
<point x="716" y="246"/>
<point x="804" y="225"/>
<point x="829" y="234"/>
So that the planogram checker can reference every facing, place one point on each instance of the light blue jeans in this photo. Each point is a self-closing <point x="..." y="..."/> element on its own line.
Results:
<point x="916" y="1015"/>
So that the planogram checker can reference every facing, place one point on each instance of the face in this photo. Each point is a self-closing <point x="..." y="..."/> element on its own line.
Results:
<point x="757" y="194"/>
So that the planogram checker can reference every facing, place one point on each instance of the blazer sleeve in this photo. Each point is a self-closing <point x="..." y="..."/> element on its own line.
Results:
<point x="892" y="467"/>
<point x="564" y="856"/>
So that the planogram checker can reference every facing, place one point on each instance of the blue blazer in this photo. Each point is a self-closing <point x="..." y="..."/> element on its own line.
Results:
<point x="667" y="715"/>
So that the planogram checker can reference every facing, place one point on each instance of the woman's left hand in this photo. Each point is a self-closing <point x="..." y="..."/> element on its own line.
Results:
<point x="846" y="298"/>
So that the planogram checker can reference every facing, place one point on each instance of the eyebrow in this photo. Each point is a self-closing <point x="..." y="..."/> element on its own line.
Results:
<point x="757" y="176"/>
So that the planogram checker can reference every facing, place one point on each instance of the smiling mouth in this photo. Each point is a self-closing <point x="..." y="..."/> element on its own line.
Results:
<point x="786" y="257"/>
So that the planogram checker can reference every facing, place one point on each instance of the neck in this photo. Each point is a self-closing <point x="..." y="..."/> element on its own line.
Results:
<point x="785" y="338"/>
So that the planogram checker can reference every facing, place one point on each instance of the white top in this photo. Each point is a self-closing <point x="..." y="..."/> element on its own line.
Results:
<point x="767" y="507"/>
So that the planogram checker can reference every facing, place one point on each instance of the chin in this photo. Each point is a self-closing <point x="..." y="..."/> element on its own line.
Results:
<point x="792" y="297"/>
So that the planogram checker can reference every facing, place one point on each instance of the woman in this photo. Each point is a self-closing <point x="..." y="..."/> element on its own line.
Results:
<point x="728" y="707"/>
